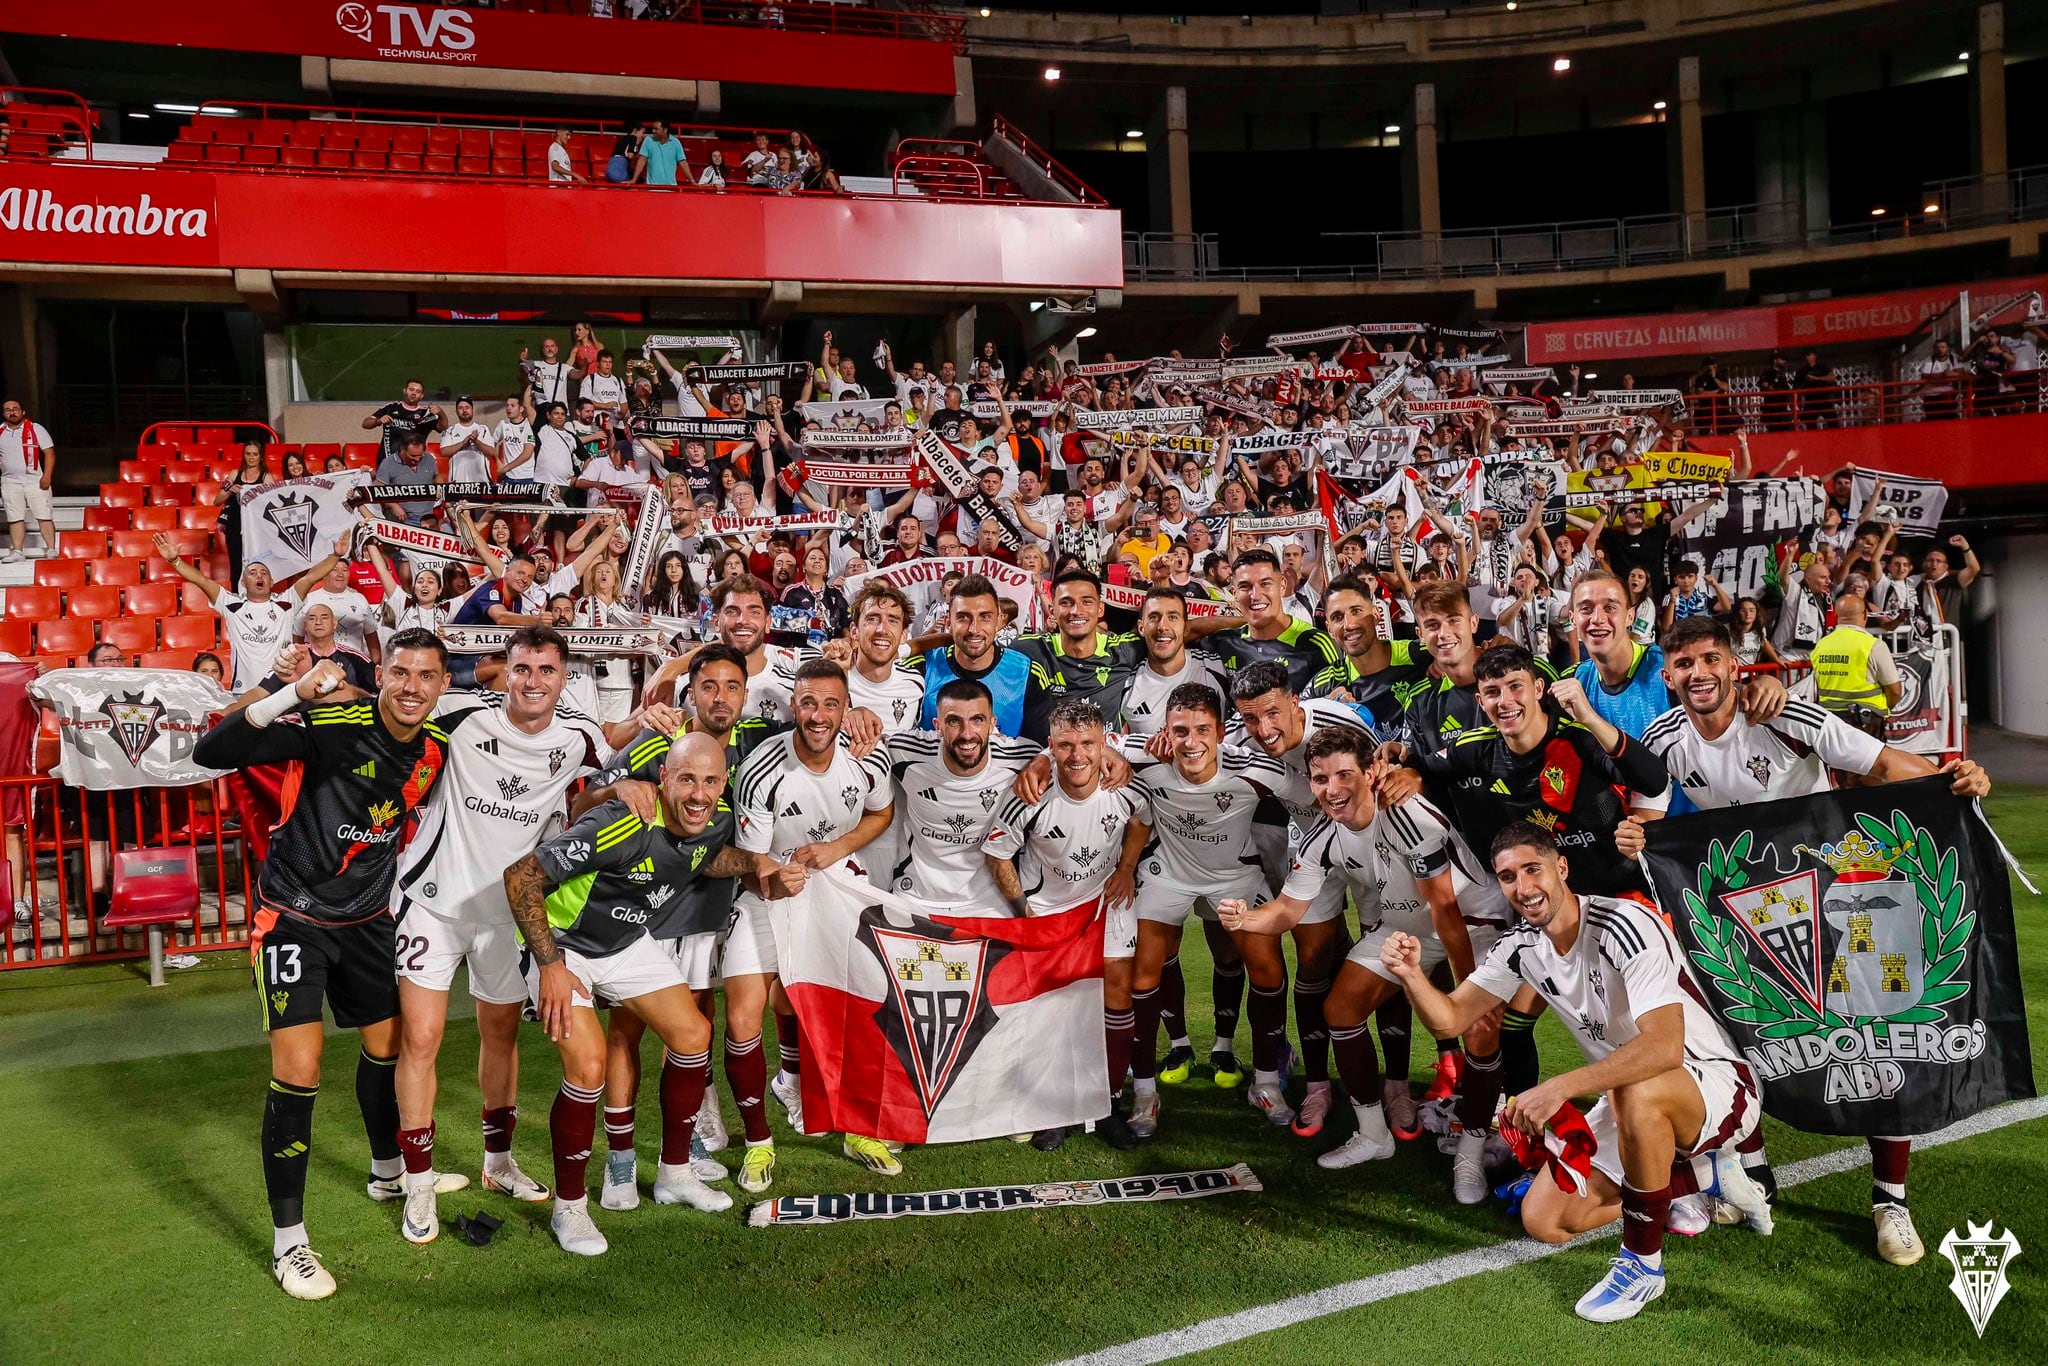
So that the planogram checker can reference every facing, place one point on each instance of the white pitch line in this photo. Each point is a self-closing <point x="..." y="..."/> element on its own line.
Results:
<point x="1246" y="1323"/>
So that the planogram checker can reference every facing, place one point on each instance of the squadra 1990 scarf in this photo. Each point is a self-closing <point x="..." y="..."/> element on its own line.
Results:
<point x="936" y="1028"/>
<point x="1858" y="947"/>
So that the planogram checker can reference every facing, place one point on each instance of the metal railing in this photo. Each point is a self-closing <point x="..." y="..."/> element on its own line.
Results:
<point x="1879" y="403"/>
<point x="914" y="22"/>
<point x="1605" y="243"/>
<point x="938" y="175"/>
<point x="1009" y="132"/>
<point x="47" y="119"/>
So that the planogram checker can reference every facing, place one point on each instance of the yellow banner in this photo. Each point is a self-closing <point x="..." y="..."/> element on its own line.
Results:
<point x="1666" y="467"/>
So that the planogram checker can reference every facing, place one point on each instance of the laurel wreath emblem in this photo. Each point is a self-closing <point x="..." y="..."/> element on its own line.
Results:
<point x="1945" y="928"/>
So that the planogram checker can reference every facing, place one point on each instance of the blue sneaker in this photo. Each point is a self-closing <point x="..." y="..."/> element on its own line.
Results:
<point x="1622" y="1292"/>
<point x="1512" y="1192"/>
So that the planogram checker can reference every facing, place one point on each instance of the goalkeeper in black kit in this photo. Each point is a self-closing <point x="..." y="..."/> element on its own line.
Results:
<point x="322" y="929"/>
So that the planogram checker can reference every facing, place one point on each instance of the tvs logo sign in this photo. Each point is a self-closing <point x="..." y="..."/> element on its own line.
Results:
<point x="413" y="33"/>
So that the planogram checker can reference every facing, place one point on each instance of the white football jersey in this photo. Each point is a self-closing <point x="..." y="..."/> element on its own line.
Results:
<point x="255" y="632"/>
<point x="896" y="699"/>
<point x="1319" y="714"/>
<point x="1069" y="845"/>
<point x="1145" y="699"/>
<point x="1787" y="756"/>
<point x="768" y="691"/>
<point x="946" y="816"/>
<point x="1202" y="832"/>
<point x="781" y="804"/>
<point x="502" y="792"/>
<point x="1385" y="863"/>
<point x="1623" y="965"/>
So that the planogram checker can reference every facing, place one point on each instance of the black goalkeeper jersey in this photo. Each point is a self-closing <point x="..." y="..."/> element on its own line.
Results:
<point x="347" y="795"/>
<point x="1383" y="697"/>
<point x="612" y="879"/>
<point x="1439" y="711"/>
<point x="1568" y="785"/>
<point x="1303" y="648"/>
<point x="1102" y="678"/>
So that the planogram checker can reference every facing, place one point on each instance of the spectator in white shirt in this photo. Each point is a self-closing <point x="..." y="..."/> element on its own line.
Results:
<point x="546" y="380"/>
<point x="554" y="449"/>
<point x="713" y="173"/>
<point x="468" y="446"/>
<point x="27" y="460"/>
<point x="617" y="468"/>
<point x="840" y="385"/>
<point x="606" y="390"/>
<point x="355" y="621"/>
<point x="560" y="168"/>
<point x="515" y="444"/>
<point x="761" y="158"/>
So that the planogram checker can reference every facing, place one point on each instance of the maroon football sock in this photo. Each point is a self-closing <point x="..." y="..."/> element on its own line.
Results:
<point x="1118" y="1027"/>
<point x="499" y="1122"/>
<point x="1145" y="1038"/>
<point x="789" y="1038"/>
<point x="1173" y="996"/>
<point x="746" y="1072"/>
<point x="618" y="1128"/>
<point x="683" y="1079"/>
<point x="1888" y="1158"/>
<point x="416" y="1146"/>
<point x="1643" y="1215"/>
<point x="1394" y="1020"/>
<point x="1479" y="1091"/>
<point x="1310" y="1025"/>
<point x="572" y="1125"/>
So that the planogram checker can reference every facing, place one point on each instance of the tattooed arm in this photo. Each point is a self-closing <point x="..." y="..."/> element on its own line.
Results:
<point x="1004" y="871"/>
<point x="758" y="873"/>
<point x="526" y="888"/>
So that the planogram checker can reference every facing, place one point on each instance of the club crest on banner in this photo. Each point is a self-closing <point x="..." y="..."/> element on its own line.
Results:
<point x="134" y="723"/>
<point x="1980" y="1263"/>
<point x="937" y="1011"/>
<point x="293" y="516"/>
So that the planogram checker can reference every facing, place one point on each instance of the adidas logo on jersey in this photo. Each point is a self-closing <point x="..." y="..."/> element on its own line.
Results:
<point x="489" y="747"/>
<point x="643" y="871"/>
<point x="929" y="795"/>
<point x="1500" y="786"/>
<point x="791" y="810"/>
<point x="512" y="787"/>
<point x="1055" y="833"/>
<point x="368" y="770"/>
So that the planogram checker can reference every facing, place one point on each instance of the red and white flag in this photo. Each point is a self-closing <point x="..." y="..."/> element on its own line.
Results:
<point x="941" y="1029"/>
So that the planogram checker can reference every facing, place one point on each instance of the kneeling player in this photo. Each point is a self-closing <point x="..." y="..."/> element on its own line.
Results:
<point x="1068" y="839"/>
<point x="582" y="902"/>
<point x="1671" y="1084"/>
<point x="1414" y="876"/>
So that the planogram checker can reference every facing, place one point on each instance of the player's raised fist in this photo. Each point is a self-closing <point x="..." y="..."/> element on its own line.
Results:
<point x="1401" y="955"/>
<point x="1231" y="912"/>
<point x="321" y="679"/>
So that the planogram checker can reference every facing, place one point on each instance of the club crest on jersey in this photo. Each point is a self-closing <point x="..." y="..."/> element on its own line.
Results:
<point x="989" y="797"/>
<point x="899" y="707"/>
<point x="696" y="858"/>
<point x="1102" y="676"/>
<point x="134" y="723"/>
<point x="292" y="514"/>
<point x="1110" y="825"/>
<point x="850" y="795"/>
<point x="1759" y="768"/>
<point x="936" y="1012"/>
<point x="1224" y="800"/>
<point x="556" y="758"/>
<point x="422" y="775"/>
<point x="1553" y="778"/>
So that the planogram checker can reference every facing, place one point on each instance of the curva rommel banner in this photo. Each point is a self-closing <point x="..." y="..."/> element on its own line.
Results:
<point x="1858" y="947"/>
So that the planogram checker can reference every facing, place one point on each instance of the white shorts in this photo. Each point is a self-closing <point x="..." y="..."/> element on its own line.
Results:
<point x="25" y="498"/>
<point x="643" y="967"/>
<point x="1328" y="905"/>
<point x="749" y="941"/>
<point x="1165" y="904"/>
<point x="1366" y="952"/>
<point x="1120" y="931"/>
<point x="430" y="948"/>
<point x="697" y="956"/>
<point x="1733" y="1107"/>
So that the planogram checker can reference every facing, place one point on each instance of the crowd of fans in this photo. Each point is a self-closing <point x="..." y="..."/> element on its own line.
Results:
<point x="651" y="153"/>
<point x="1137" y="513"/>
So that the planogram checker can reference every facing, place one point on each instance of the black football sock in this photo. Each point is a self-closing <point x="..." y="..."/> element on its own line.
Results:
<point x="1518" y="1052"/>
<point x="287" y="1144"/>
<point x="1479" y="1091"/>
<point x="1145" y="1038"/>
<point x="1310" y="1025"/>
<point x="1269" y="1026"/>
<point x="1394" y="1021"/>
<point x="377" y="1096"/>
<point x="1173" y="1002"/>
<point x="1226" y="995"/>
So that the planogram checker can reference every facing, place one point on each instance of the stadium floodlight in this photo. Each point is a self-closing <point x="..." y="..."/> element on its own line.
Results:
<point x="1660" y="106"/>
<point x="1134" y="132"/>
<point x="1391" y="128"/>
<point x="1561" y="65"/>
<point x="1084" y="334"/>
<point x="984" y="11"/>
<point x="1962" y="56"/>
<point x="175" y="108"/>
<point x="1877" y="212"/>
<point x="1590" y="374"/>
<point x="1512" y="6"/>
<point x="1052" y="73"/>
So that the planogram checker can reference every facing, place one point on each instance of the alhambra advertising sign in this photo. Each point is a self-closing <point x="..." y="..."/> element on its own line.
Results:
<point x="96" y="214"/>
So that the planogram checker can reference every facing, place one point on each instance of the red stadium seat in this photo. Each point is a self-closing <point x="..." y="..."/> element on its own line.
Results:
<point x="337" y="133"/>
<point x="63" y="636"/>
<point x="336" y="159"/>
<point x="190" y="595"/>
<point x="121" y="572"/>
<point x="17" y="638"/>
<point x="406" y="161"/>
<point x="228" y="153"/>
<point x="409" y="138"/>
<point x="373" y="137"/>
<point x="299" y="158"/>
<point x="473" y="141"/>
<point x="50" y="663"/>
<point x="257" y="156"/>
<point x="197" y="632"/>
<point x="372" y="161"/>
<point x="303" y="134"/>
<point x="315" y="452"/>
<point x="157" y="569"/>
<point x="199" y="518"/>
<point x="130" y="633"/>
<point x="153" y="888"/>
<point x="443" y="140"/>
<point x="34" y="602"/>
<point x="132" y="545"/>
<point x="153" y="600"/>
<point x="214" y="436"/>
<point x="438" y="163"/>
<point x="186" y="473"/>
<point x="108" y="519"/>
<point x="84" y="545"/>
<point x="178" y="495"/>
<point x="125" y="495"/>
<point x="60" y="573"/>
<point x="165" y="659"/>
<point x="136" y="472"/>
<point x="95" y="602"/>
<point x="154" y="518"/>
<point x="188" y="151"/>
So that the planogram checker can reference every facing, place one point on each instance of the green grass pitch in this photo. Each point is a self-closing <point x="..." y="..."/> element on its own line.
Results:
<point x="133" y="1226"/>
